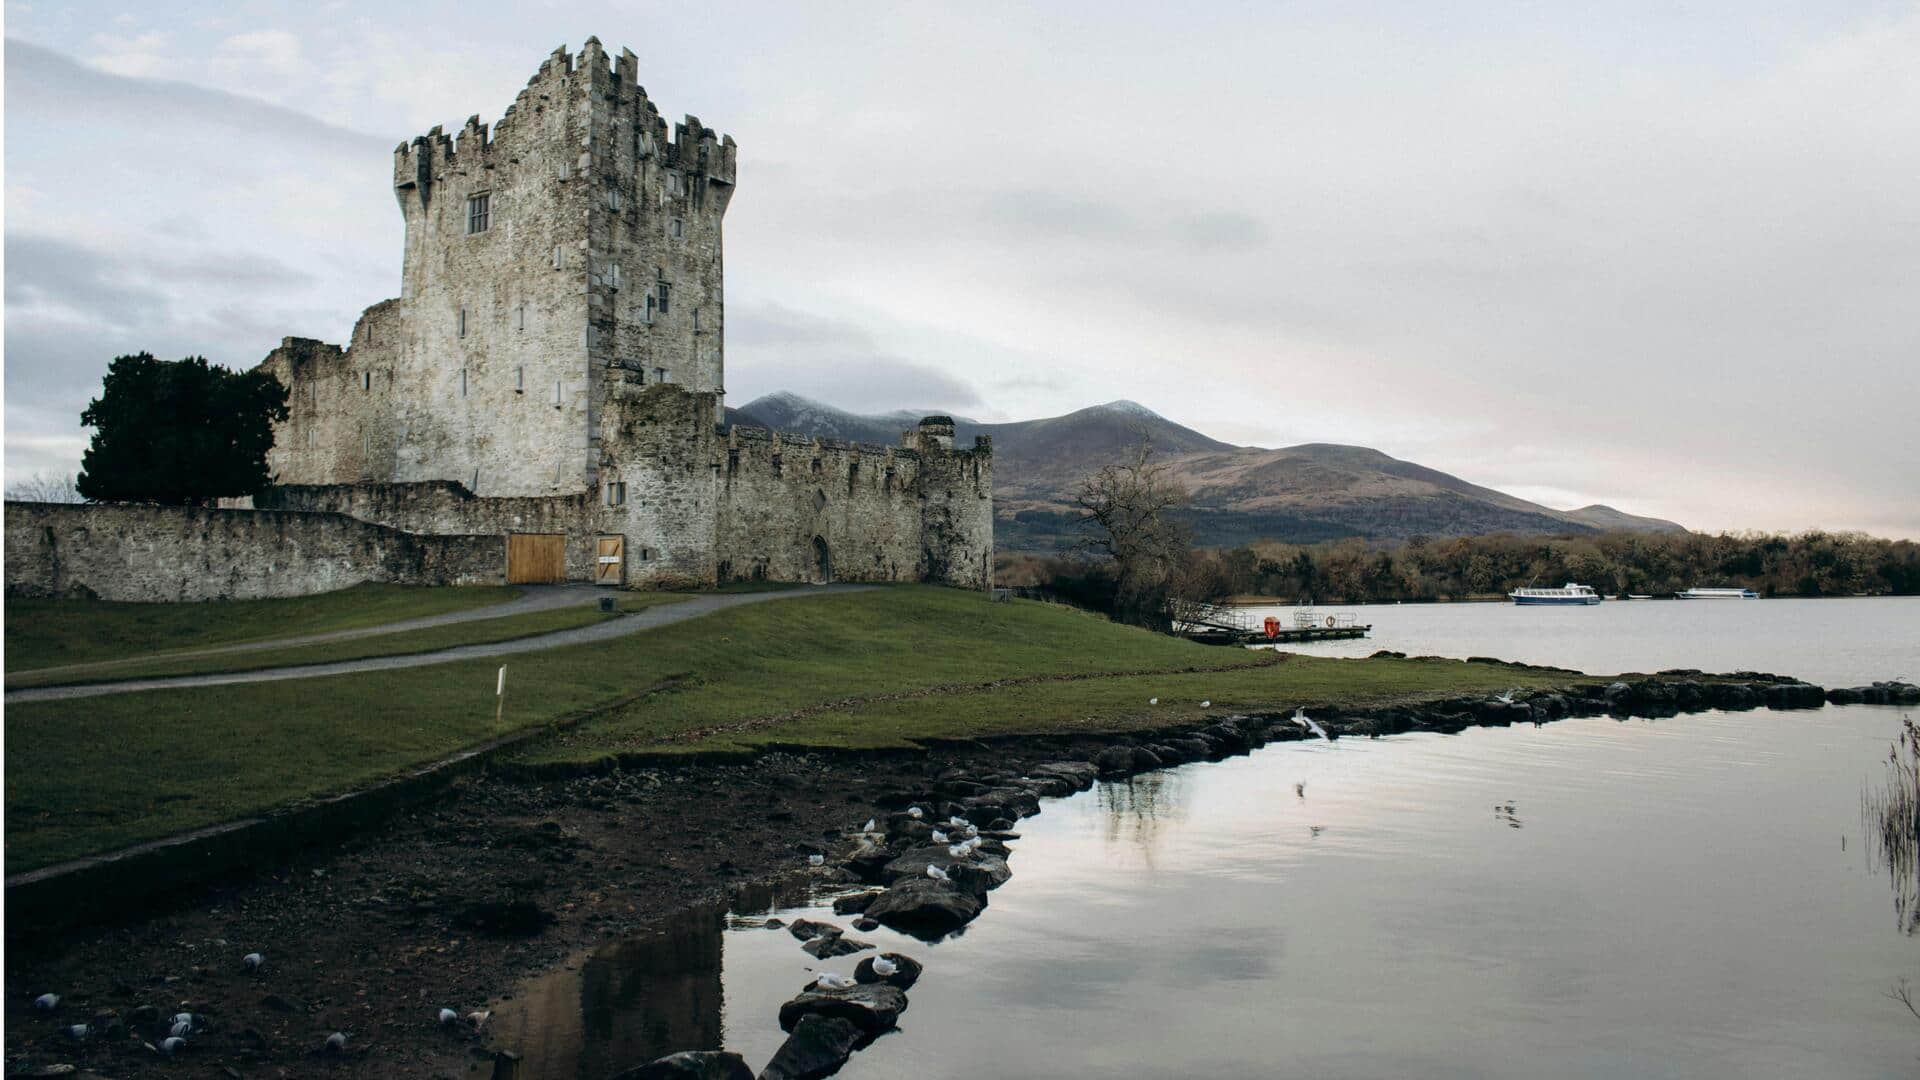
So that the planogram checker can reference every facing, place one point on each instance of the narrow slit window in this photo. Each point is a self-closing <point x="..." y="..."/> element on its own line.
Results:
<point x="696" y="320"/>
<point x="613" y="275"/>
<point x="366" y="380"/>
<point x="647" y="313"/>
<point x="520" y="317"/>
<point x="559" y="257"/>
<point x="675" y="229"/>
<point x="556" y="393"/>
<point x="463" y="382"/>
<point x="613" y="198"/>
<point x="462" y="328"/>
<point x="661" y="291"/>
<point x="520" y="379"/>
<point x="479" y="213"/>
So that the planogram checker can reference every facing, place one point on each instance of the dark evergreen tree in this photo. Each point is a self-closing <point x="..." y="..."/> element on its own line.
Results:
<point x="179" y="432"/>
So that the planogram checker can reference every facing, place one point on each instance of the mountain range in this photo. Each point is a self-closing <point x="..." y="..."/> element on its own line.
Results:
<point x="1300" y="494"/>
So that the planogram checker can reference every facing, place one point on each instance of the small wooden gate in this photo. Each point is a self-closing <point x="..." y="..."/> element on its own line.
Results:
<point x="536" y="558"/>
<point x="609" y="563"/>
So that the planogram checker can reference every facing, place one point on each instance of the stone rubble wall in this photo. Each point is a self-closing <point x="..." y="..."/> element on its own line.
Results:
<point x="151" y="553"/>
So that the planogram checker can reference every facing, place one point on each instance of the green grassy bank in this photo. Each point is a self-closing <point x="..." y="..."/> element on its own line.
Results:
<point x="878" y="668"/>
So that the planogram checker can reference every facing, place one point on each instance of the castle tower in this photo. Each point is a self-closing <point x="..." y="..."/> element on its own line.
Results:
<point x="572" y="247"/>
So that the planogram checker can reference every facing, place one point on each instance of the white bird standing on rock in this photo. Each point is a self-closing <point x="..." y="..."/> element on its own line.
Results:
<point x="870" y="826"/>
<point x="1307" y="723"/>
<point x="47" y="1002"/>
<point x="914" y="812"/>
<point x="957" y="822"/>
<point x="884" y="967"/>
<point x="939" y="837"/>
<point x="1153" y="701"/>
<point x="181" y="1028"/>
<point x="816" y="860"/>
<point x="833" y="980"/>
<point x="936" y="873"/>
<point x="958" y="851"/>
<point x="1207" y="704"/>
<point x="448" y="1016"/>
<point x="173" y="1045"/>
<point x="336" y="1043"/>
<point x="253" y="961"/>
<point x="973" y="831"/>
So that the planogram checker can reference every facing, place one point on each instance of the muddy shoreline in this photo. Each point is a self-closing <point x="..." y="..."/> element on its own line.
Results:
<point x="453" y="903"/>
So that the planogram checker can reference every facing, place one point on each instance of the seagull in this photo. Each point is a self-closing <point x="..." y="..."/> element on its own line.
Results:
<point x="173" y="1045"/>
<point x="833" y="980"/>
<point x="936" y="873"/>
<point x="185" y="1023"/>
<point x="870" y="826"/>
<point x="973" y="831"/>
<point x="1307" y="723"/>
<point x="957" y="821"/>
<point x="884" y="967"/>
<point x="1153" y="701"/>
<point x="80" y="1032"/>
<point x="479" y="1017"/>
<point x="939" y="837"/>
<point x="958" y="851"/>
<point x="47" y="1002"/>
<point x="1506" y="698"/>
<point x="914" y="812"/>
<point x="448" y="1016"/>
<point x="336" y="1043"/>
<point x="1208" y="704"/>
<point x="253" y="961"/>
<point x="816" y="860"/>
<point x="180" y="1028"/>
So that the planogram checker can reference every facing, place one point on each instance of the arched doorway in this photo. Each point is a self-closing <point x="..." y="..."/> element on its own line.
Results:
<point x="822" y="562"/>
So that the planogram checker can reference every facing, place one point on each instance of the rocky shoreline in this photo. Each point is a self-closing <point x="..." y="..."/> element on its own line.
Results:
<point x="449" y="905"/>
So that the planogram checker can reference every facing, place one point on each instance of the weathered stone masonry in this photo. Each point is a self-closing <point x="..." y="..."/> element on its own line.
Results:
<point x="555" y="363"/>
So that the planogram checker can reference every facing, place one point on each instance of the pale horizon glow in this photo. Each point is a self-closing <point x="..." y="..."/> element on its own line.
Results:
<point x="1660" y="259"/>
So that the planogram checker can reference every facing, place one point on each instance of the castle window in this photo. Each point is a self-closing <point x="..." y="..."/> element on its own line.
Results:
<point x="660" y="291"/>
<point x="642" y="145"/>
<point x="556" y="393"/>
<point x="616" y="493"/>
<point x="520" y="317"/>
<point x="647" y="314"/>
<point x="613" y="275"/>
<point x="696" y="320"/>
<point x="613" y="198"/>
<point x="559" y="259"/>
<point x="675" y="230"/>
<point x="478" y="213"/>
<point x="520" y="379"/>
<point x="366" y="380"/>
<point x="463" y="382"/>
<point x="819" y="501"/>
<point x="659" y="374"/>
<point x="462" y="331"/>
<point x="676" y="184"/>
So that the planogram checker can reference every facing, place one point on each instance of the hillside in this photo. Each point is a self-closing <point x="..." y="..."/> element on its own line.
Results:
<point x="1316" y="491"/>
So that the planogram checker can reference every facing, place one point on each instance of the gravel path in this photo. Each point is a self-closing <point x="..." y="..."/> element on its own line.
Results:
<point x="663" y="615"/>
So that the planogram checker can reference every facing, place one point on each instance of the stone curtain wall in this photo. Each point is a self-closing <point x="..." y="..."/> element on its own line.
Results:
<point x="135" y="552"/>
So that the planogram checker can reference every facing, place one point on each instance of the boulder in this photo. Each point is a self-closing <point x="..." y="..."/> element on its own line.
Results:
<point x="818" y="1047"/>
<point x="924" y="907"/>
<point x="808" y="929"/>
<point x="1115" y="761"/>
<point x="1145" y="760"/>
<point x="855" y="903"/>
<point x="1734" y="696"/>
<point x="866" y="925"/>
<point x="691" y="1065"/>
<point x="980" y="874"/>
<point x="872" y="1008"/>
<point x="907" y="974"/>
<point x="1848" y="695"/>
<point x="1010" y="802"/>
<point x="1081" y="774"/>
<point x="1794" y="696"/>
<point x="867" y="860"/>
<point x="835" y="944"/>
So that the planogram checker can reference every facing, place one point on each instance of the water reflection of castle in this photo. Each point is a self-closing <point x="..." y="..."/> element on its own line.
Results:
<point x="632" y="1000"/>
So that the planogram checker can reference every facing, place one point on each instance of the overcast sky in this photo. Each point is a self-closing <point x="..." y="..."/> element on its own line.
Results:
<point x="1661" y="256"/>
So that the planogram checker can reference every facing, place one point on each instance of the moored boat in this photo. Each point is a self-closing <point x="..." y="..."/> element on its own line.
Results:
<point x="1698" y="593"/>
<point x="1564" y="595"/>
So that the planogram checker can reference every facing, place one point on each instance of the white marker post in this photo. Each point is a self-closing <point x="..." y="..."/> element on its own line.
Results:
<point x="499" y="695"/>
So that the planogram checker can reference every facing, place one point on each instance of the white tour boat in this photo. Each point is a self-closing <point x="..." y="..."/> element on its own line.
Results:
<point x="1697" y="593"/>
<point x="1565" y="594"/>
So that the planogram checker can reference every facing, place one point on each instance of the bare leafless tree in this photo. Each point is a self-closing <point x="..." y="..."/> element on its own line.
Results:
<point x="1127" y="511"/>
<point x="45" y="487"/>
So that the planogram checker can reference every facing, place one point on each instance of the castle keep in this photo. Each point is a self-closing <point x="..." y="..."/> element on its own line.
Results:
<point x="554" y="371"/>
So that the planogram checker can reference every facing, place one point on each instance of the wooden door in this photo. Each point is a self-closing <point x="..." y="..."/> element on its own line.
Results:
<point x="536" y="558"/>
<point x="609" y="563"/>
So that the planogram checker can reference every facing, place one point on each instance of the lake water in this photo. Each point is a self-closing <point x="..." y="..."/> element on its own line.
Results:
<point x="1595" y="898"/>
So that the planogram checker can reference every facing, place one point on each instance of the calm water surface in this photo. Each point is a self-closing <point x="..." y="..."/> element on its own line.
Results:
<point x="1682" y="897"/>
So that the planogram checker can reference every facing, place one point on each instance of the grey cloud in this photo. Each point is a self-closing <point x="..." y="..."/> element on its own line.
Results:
<point x="1224" y="231"/>
<point x="46" y="85"/>
<point x="1053" y="214"/>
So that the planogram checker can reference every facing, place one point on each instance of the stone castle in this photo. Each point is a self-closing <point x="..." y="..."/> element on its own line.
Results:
<point x="554" y="370"/>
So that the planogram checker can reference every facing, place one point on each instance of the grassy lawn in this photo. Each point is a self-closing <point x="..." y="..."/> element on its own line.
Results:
<point x="92" y="775"/>
<point x="49" y="633"/>
<point x="407" y="642"/>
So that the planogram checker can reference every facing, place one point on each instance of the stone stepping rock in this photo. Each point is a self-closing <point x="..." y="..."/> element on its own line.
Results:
<point x="808" y="929"/>
<point x="907" y="973"/>
<point x="926" y="908"/>
<point x="828" y="945"/>
<point x="873" y="1008"/>
<point x="691" y="1065"/>
<point x="818" y="1047"/>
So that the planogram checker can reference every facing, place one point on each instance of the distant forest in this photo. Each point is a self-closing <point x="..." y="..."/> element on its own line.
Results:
<point x="1353" y="571"/>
